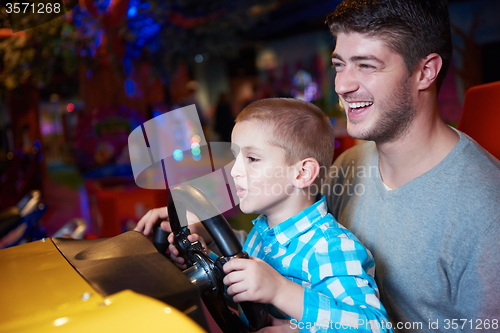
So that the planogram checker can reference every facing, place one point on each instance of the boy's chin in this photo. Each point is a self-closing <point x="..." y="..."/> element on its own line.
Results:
<point x="244" y="208"/>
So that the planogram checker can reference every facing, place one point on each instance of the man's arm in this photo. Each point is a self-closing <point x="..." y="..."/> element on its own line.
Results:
<point x="477" y="299"/>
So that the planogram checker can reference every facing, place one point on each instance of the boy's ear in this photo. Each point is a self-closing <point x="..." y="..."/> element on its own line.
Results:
<point x="429" y="70"/>
<point x="308" y="170"/>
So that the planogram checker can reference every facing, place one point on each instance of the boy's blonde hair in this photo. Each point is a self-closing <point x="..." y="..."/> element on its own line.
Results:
<point x="298" y="127"/>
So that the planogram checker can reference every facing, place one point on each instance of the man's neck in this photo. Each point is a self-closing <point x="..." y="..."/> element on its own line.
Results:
<point x="428" y="141"/>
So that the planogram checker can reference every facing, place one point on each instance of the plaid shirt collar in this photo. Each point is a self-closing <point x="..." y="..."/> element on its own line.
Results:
<point x="294" y="226"/>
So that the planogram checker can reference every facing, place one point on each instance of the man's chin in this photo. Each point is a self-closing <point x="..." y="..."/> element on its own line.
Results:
<point x="357" y="134"/>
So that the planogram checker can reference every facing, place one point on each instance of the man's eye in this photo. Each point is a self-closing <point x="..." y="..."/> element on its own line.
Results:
<point x="366" y="66"/>
<point x="338" y="67"/>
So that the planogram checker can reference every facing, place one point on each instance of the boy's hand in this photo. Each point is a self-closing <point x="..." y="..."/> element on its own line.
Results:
<point x="174" y="253"/>
<point x="255" y="280"/>
<point x="252" y="280"/>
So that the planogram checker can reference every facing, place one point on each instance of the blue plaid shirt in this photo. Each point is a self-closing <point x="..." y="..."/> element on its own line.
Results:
<point x="334" y="268"/>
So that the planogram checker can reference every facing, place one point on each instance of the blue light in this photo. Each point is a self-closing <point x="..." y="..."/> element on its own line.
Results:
<point x="130" y="87"/>
<point x="153" y="46"/>
<point x="196" y="157"/>
<point x="98" y="40"/>
<point x="127" y="62"/>
<point x="103" y="5"/>
<point x="132" y="11"/>
<point x="178" y="155"/>
<point x="155" y="28"/>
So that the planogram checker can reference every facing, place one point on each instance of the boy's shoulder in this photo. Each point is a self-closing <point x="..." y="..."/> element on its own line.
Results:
<point x="328" y="243"/>
<point x="318" y="223"/>
<point x="331" y="230"/>
<point x="327" y="232"/>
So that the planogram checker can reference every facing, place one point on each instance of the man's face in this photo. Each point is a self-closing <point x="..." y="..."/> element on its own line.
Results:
<point x="259" y="172"/>
<point x="374" y="87"/>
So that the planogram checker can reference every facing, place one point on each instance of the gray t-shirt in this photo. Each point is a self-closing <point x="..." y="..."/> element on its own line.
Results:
<point x="436" y="239"/>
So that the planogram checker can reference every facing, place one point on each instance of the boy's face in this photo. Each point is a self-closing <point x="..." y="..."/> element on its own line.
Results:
<point x="260" y="173"/>
<point x="373" y="83"/>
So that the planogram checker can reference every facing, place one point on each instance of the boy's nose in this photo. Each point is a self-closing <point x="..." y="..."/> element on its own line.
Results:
<point x="346" y="82"/>
<point x="238" y="168"/>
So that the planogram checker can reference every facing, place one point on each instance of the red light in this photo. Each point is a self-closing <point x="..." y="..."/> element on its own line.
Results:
<point x="70" y="107"/>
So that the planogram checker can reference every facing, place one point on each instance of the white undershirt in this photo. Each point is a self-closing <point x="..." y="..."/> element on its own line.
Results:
<point x="387" y="187"/>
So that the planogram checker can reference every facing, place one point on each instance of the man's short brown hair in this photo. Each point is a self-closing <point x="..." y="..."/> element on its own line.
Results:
<point x="412" y="28"/>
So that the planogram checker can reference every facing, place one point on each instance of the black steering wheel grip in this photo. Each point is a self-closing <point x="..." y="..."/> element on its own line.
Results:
<point x="189" y="197"/>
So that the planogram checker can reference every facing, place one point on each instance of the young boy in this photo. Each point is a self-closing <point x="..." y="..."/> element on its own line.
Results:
<point x="311" y="269"/>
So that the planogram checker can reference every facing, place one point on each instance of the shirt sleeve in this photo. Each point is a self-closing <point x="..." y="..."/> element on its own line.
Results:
<point x="342" y="296"/>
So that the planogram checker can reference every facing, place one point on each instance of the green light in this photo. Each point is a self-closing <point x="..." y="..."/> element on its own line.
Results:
<point x="196" y="151"/>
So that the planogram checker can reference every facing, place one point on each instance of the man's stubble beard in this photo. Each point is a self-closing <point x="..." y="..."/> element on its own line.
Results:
<point x="394" y="121"/>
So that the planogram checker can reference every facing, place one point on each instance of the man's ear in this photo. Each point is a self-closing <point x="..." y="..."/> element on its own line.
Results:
<point x="308" y="170"/>
<point x="429" y="69"/>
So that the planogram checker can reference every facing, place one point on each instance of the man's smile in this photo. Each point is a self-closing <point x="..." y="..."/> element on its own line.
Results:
<point x="357" y="108"/>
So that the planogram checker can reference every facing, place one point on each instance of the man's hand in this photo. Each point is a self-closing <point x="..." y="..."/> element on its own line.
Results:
<point x="146" y="223"/>
<point x="160" y="215"/>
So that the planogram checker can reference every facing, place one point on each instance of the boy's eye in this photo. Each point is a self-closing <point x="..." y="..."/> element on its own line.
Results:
<point x="252" y="159"/>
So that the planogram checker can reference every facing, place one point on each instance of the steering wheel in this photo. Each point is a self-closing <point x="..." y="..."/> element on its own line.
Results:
<point x="202" y="270"/>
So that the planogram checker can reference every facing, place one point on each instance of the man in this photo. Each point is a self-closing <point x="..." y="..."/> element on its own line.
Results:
<point x="420" y="195"/>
